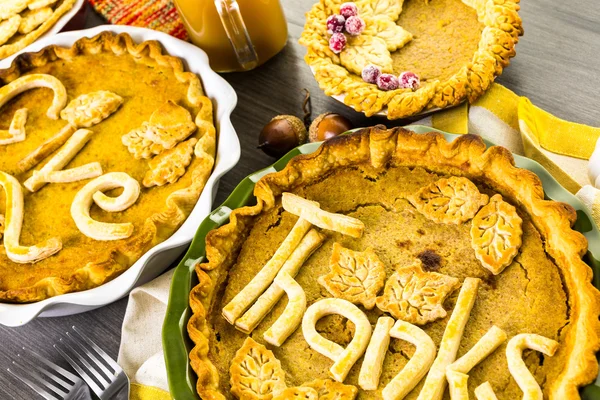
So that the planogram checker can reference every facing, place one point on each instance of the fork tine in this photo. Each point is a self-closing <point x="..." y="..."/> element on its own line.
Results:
<point x="34" y="372"/>
<point x="99" y="377"/>
<point x="91" y="355"/>
<point x="100" y="352"/>
<point x="41" y="391"/>
<point x="61" y="373"/>
<point x="88" y="379"/>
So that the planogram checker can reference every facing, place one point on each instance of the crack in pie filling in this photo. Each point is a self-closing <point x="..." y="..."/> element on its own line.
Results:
<point x="415" y="268"/>
<point x="78" y="204"/>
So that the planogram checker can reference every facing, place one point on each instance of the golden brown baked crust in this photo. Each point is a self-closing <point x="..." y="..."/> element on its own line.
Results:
<point x="502" y="28"/>
<point x="25" y="40"/>
<point x="466" y="156"/>
<point x="178" y="204"/>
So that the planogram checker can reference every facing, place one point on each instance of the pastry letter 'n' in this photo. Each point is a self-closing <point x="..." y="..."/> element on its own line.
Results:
<point x="419" y="363"/>
<point x="343" y="359"/>
<point x="516" y="365"/>
<point x="370" y="371"/>
<point x="291" y="317"/>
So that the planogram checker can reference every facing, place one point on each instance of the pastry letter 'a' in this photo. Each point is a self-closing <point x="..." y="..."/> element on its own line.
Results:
<point x="343" y="359"/>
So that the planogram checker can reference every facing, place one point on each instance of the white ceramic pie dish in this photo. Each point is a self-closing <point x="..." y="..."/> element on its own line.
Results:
<point x="157" y="259"/>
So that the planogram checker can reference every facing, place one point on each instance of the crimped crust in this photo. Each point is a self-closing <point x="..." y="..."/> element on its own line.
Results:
<point x="497" y="45"/>
<point x="177" y="205"/>
<point x="25" y="40"/>
<point x="466" y="156"/>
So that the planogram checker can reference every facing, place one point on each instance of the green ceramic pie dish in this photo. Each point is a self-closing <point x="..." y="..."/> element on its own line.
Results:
<point x="177" y="344"/>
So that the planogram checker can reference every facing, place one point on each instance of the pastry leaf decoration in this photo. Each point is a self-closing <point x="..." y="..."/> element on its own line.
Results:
<point x="170" y="165"/>
<point x="416" y="296"/>
<point x="91" y="108"/>
<point x="255" y="373"/>
<point x="328" y="389"/>
<point x="496" y="234"/>
<point x="394" y="35"/>
<point x="451" y="200"/>
<point x="363" y="50"/>
<point x="387" y="8"/>
<point x="298" y="393"/>
<point x="355" y="276"/>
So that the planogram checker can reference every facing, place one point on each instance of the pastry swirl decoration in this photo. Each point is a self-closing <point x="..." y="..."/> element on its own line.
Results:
<point x="502" y="28"/>
<point x="466" y="156"/>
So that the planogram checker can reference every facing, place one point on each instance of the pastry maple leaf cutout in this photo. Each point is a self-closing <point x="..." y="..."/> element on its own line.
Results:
<point x="416" y="296"/>
<point x="9" y="28"/>
<point x="16" y="131"/>
<point x="255" y="373"/>
<point x="8" y="8"/>
<point x="91" y="108"/>
<point x="496" y="234"/>
<point x="456" y="373"/>
<point x="167" y="126"/>
<point x="169" y="166"/>
<point x="451" y="200"/>
<point x="355" y="276"/>
<point x="516" y="365"/>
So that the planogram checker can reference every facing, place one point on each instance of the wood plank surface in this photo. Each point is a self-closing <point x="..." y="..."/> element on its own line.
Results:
<point x="557" y="66"/>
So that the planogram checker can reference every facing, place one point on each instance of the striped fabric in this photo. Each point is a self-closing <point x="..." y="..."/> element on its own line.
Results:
<point x="160" y="15"/>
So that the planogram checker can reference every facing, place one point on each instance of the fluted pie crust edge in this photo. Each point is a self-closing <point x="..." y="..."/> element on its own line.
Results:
<point x="178" y="204"/>
<point x="503" y="26"/>
<point x="466" y="156"/>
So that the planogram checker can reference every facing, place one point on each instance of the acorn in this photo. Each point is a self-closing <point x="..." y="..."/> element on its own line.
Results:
<point x="282" y="134"/>
<point x="328" y="125"/>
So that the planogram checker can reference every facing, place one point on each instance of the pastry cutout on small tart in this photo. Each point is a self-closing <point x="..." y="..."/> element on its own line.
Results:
<point x="460" y="47"/>
<point x="73" y="72"/>
<point x="375" y="170"/>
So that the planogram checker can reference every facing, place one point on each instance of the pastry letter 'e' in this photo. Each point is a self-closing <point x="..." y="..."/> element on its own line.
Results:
<point x="516" y="365"/>
<point x="435" y="383"/>
<point x="92" y="192"/>
<point x="13" y="223"/>
<point x="343" y="359"/>
<point x="419" y="363"/>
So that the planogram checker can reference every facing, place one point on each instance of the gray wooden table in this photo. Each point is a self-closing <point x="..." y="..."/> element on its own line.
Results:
<point x="557" y="67"/>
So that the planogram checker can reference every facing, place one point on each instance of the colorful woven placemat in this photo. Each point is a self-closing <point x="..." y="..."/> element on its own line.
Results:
<point x="160" y="15"/>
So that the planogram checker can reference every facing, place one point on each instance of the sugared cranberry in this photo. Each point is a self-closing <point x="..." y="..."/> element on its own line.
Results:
<point x="337" y="42"/>
<point x="387" y="82"/>
<point x="348" y="10"/>
<point x="335" y="23"/>
<point x="370" y="73"/>
<point x="409" y="80"/>
<point x="355" y="25"/>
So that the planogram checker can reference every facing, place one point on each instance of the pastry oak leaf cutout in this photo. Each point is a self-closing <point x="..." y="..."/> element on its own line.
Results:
<point x="355" y="276"/>
<point x="451" y="200"/>
<point x="416" y="296"/>
<point x="496" y="234"/>
<point x="255" y="373"/>
<point x="169" y="166"/>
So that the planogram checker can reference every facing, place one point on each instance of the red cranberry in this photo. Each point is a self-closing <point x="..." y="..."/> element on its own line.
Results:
<point x="335" y="23"/>
<point x="370" y="73"/>
<point x="337" y="42"/>
<point x="355" y="25"/>
<point x="387" y="82"/>
<point x="348" y="10"/>
<point x="409" y="80"/>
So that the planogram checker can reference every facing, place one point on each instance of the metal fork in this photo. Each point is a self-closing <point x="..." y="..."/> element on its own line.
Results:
<point x="48" y="379"/>
<point x="106" y="379"/>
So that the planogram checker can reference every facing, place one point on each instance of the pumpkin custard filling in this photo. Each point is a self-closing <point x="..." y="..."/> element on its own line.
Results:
<point x="527" y="297"/>
<point x="391" y="265"/>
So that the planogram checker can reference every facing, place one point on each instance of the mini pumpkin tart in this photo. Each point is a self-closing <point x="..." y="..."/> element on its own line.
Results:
<point x="409" y="56"/>
<point x="22" y="22"/>
<point x="86" y="191"/>
<point x="391" y="265"/>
